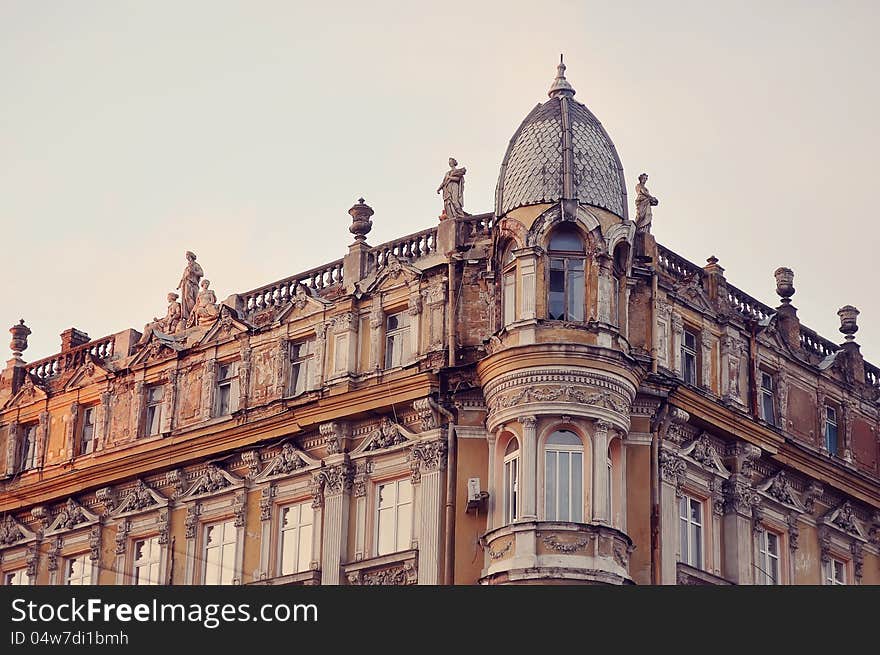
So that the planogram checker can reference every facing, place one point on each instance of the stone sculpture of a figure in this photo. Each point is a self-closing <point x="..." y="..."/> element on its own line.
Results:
<point x="452" y="187"/>
<point x="205" y="310"/>
<point x="169" y="324"/>
<point x="189" y="284"/>
<point x="644" y="202"/>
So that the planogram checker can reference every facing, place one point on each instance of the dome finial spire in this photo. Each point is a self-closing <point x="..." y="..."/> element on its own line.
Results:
<point x="561" y="87"/>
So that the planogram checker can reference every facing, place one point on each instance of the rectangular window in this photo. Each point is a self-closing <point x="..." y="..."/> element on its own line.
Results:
<point x="393" y="516"/>
<point x="28" y="447"/>
<point x="396" y="340"/>
<point x="767" y="398"/>
<point x="147" y="558"/>
<point x="17" y="578"/>
<point x="78" y="570"/>
<point x="689" y="357"/>
<point x="609" y="491"/>
<point x="566" y="293"/>
<point x="831" y="429"/>
<point x="227" y="376"/>
<point x="295" y="543"/>
<point x="768" y="558"/>
<point x="509" y="297"/>
<point x="153" y="415"/>
<point x="691" y="531"/>
<point x="300" y="363"/>
<point x="563" y="484"/>
<point x="835" y="572"/>
<point x="87" y="433"/>
<point x="219" y="553"/>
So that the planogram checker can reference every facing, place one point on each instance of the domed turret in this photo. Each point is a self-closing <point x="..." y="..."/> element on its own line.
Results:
<point x="561" y="152"/>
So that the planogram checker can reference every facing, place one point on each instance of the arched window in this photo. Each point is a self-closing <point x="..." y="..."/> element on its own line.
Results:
<point x="564" y="477"/>
<point x="566" y="284"/>
<point x="508" y="286"/>
<point x="511" y="480"/>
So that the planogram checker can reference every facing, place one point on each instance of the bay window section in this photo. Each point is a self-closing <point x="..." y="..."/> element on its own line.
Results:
<point x="511" y="481"/>
<point x="564" y="477"/>
<point x="508" y="287"/>
<point x="566" y="288"/>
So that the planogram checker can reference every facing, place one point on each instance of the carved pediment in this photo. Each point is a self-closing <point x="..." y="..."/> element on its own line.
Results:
<point x="703" y="452"/>
<point x="212" y="480"/>
<point x="30" y="392"/>
<point x="778" y="488"/>
<point x="158" y="348"/>
<point x="227" y="326"/>
<point x="844" y="519"/>
<point x="394" y="273"/>
<point x="288" y="460"/>
<point x="690" y="290"/>
<point x="387" y="435"/>
<point x="303" y="302"/>
<point x="12" y="532"/>
<point x="139" y="498"/>
<point x="72" y="515"/>
<point x="91" y="371"/>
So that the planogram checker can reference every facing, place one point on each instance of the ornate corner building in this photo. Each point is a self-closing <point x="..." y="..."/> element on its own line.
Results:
<point x="539" y="394"/>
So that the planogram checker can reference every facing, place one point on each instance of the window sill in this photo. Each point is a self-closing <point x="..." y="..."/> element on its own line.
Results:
<point x="306" y="578"/>
<point x="393" y="569"/>
<point x="690" y="575"/>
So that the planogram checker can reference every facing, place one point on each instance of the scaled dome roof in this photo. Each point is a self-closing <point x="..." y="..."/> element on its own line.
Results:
<point x="561" y="151"/>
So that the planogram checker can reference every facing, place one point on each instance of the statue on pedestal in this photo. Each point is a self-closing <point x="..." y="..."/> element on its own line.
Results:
<point x="644" y="202"/>
<point x="452" y="187"/>
<point x="205" y="310"/>
<point x="189" y="284"/>
<point x="166" y="326"/>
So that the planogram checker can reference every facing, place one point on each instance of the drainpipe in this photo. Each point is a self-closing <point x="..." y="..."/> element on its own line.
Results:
<point x="656" y="425"/>
<point x="449" y="509"/>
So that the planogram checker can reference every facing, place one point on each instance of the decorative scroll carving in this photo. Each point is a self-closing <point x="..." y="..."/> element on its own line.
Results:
<point x="793" y="531"/>
<point x="426" y="414"/>
<point x="336" y="435"/>
<point x="558" y="393"/>
<point x="164" y="525"/>
<point x="70" y="516"/>
<point x="41" y="514"/>
<point x="565" y="546"/>
<point x="177" y="479"/>
<point x="191" y="522"/>
<point x="336" y="479"/>
<point x="95" y="543"/>
<point x="402" y="574"/>
<point x="11" y="531"/>
<point x="107" y="497"/>
<point x="121" y="539"/>
<point x="53" y="553"/>
<point x="288" y="460"/>
<point x="361" y="475"/>
<point x="779" y="488"/>
<point x="672" y="469"/>
<point x="814" y="491"/>
<point x="739" y="496"/>
<point x="251" y="459"/>
<point x="858" y="559"/>
<point x="212" y="479"/>
<point x="386" y="435"/>
<point x="702" y="451"/>
<point x="239" y="505"/>
<point x="426" y="457"/>
<point x="138" y="497"/>
<point x="31" y="558"/>
<point x="267" y="493"/>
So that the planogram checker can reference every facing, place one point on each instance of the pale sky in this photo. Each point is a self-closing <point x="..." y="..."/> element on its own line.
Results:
<point x="131" y="132"/>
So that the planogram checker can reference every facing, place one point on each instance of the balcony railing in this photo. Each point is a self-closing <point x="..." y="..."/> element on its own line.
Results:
<point x="49" y="367"/>
<point x="412" y="247"/>
<point x="277" y="293"/>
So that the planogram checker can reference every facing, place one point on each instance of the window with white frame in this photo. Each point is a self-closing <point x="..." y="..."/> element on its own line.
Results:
<point x="27" y="458"/>
<point x="508" y="286"/>
<point x="219" y="553"/>
<point x="147" y="560"/>
<point x="19" y="577"/>
<point x="227" y="386"/>
<point x="78" y="570"/>
<point x="511" y="481"/>
<point x="301" y="355"/>
<point x="835" y="571"/>
<point x="396" y="339"/>
<point x="295" y="538"/>
<point x="87" y="431"/>
<point x="689" y="357"/>
<point x="394" y="502"/>
<point x="153" y="412"/>
<point x="768" y="558"/>
<point x="609" y="490"/>
<point x="831" y="429"/>
<point x="690" y="512"/>
<point x="563" y="477"/>
<point x="766" y="396"/>
<point x="566" y="296"/>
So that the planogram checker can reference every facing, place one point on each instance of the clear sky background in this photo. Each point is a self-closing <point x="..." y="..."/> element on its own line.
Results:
<point x="131" y="132"/>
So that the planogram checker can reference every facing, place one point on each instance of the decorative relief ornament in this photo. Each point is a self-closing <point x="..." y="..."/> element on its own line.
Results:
<point x="267" y="493"/>
<point x="427" y="457"/>
<point x="10" y="531"/>
<point x="191" y="522"/>
<point x="672" y="469"/>
<point x="95" y="543"/>
<point x="426" y="414"/>
<point x="386" y="435"/>
<point x="567" y="547"/>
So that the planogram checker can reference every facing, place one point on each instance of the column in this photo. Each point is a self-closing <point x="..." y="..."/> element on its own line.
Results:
<point x="414" y="309"/>
<point x="209" y="375"/>
<point x="70" y="430"/>
<point x="706" y="359"/>
<point x="492" y="441"/>
<point x="528" y="479"/>
<point x="672" y="471"/>
<point x="267" y="496"/>
<point x="191" y="523"/>
<point x="168" y="403"/>
<point x="336" y="480"/>
<point x="102" y="420"/>
<point x="600" y="472"/>
<point x="429" y="462"/>
<point x="737" y="527"/>
<point x="359" y="493"/>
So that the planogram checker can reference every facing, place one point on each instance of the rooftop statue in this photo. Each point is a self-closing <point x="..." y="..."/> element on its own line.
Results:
<point x="644" y="202"/>
<point x="206" y="310"/>
<point x="189" y="284"/>
<point x="452" y="187"/>
<point x="167" y="325"/>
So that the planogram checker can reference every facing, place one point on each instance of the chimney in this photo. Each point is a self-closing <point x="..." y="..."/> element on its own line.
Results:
<point x="71" y="338"/>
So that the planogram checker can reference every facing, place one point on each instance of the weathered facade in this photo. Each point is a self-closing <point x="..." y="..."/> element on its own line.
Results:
<point x="539" y="394"/>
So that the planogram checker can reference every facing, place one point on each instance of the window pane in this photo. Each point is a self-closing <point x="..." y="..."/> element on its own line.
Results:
<point x="404" y="491"/>
<point x="697" y="546"/>
<point x="683" y="538"/>
<point x="564" y="481"/>
<point x="767" y="400"/>
<point x="566" y="239"/>
<point x="305" y="548"/>
<point x="223" y="400"/>
<point x="404" y="527"/>
<point x="228" y="564"/>
<point x="575" y="290"/>
<point x="564" y="438"/>
<point x="509" y="298"/>
<point x="386" y="531"/>
<point x="696" y="512"/>
<point x="550" y="485"/>
<point x="577" y="487"/>
<point x="831" y="438"/>
<point x="556" y="300"/>
<point x="690" y="340"/>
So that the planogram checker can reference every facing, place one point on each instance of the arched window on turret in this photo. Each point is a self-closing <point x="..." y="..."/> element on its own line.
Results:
<point x="564" y="477"/>
<point x="511" y="481"/>
<point x="565" y="298"/>
<point x="508" y="286"/>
